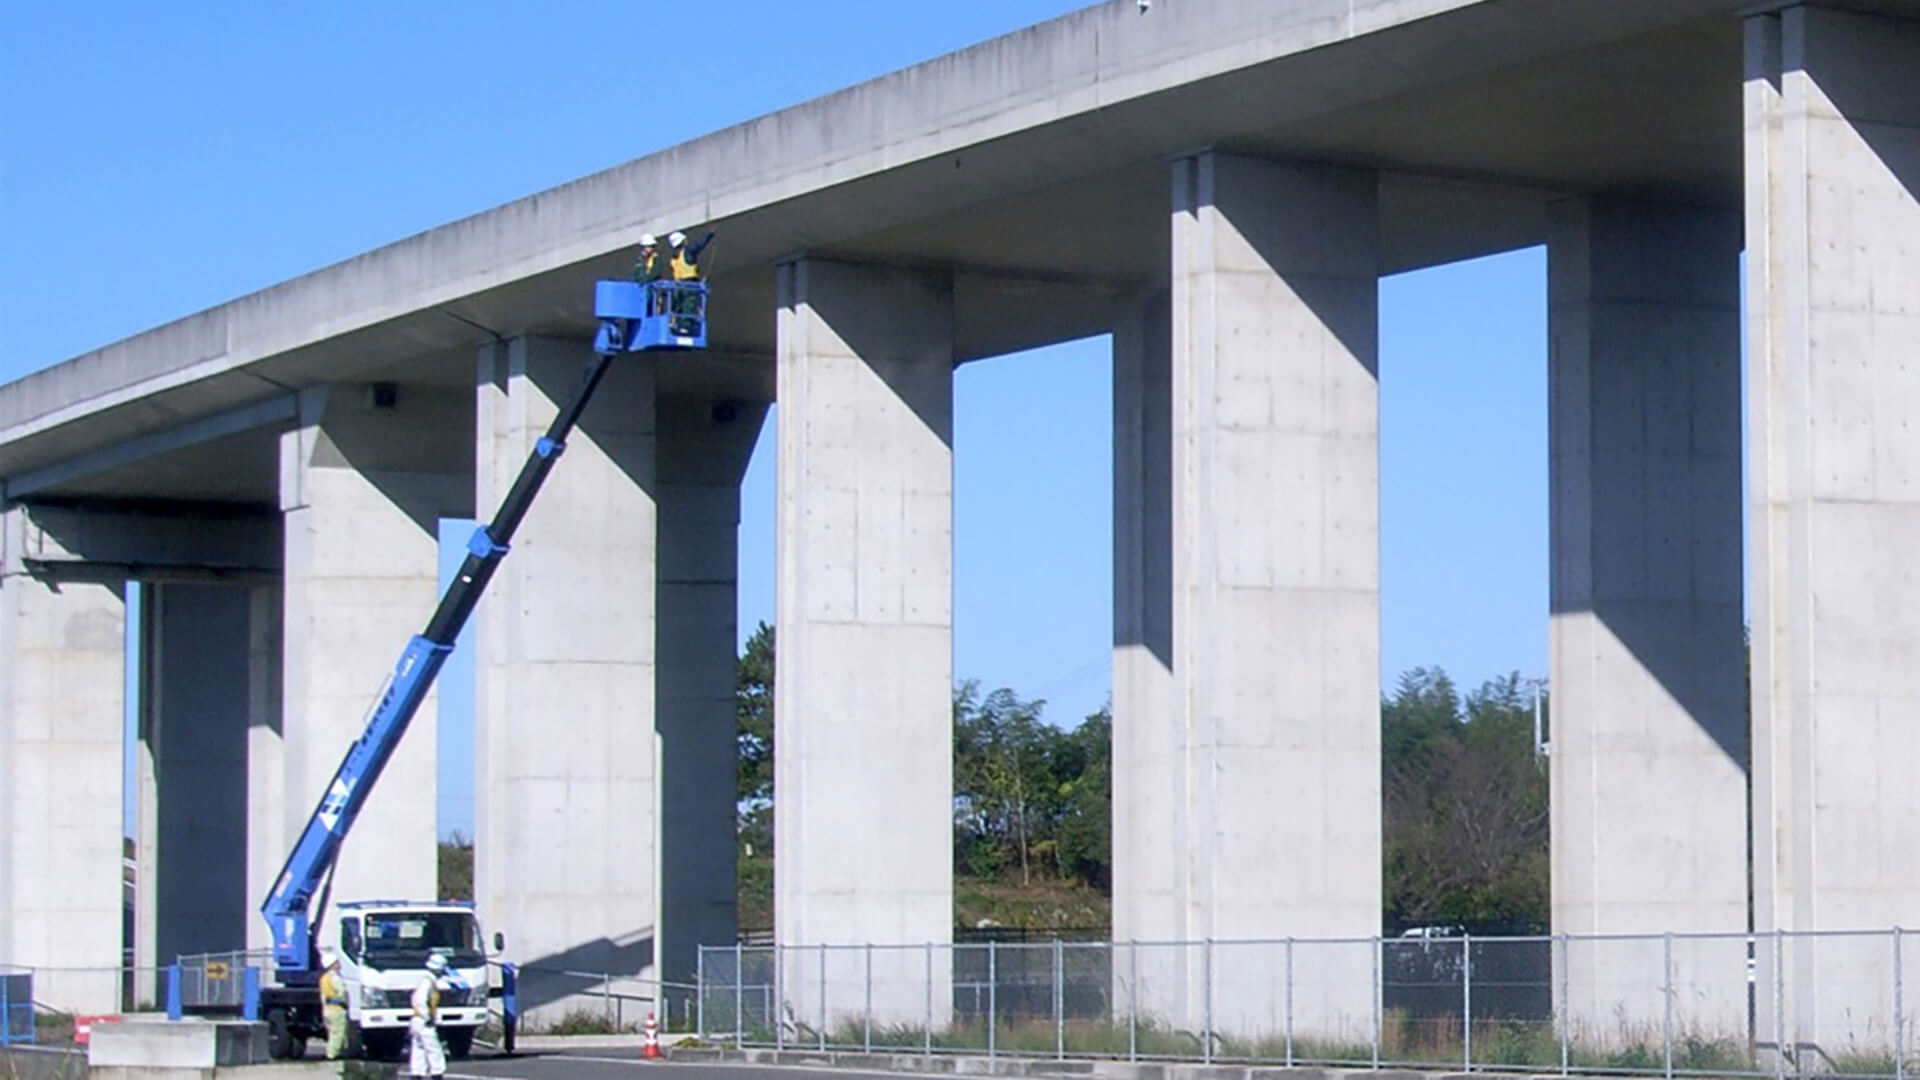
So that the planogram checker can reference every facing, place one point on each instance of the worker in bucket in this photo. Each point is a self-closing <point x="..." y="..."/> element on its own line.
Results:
<point x="652" y="265"/>
<point x="685" y="263"/>
<point x="333" y="1004"/>
<point x="426" y="1056"/>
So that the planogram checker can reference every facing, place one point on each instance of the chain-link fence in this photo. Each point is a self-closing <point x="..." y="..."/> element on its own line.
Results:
<point x="217" y="981"/>
<point x="1828" y="1004"/>
<point x="563" y="1000"/>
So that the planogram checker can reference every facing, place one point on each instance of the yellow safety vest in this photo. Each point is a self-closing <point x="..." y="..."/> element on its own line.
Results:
<point x="333" y="993"/>
<point x="682" y="269"/>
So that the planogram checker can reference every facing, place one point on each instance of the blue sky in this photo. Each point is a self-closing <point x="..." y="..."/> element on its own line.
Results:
<point x="156" y="160"/>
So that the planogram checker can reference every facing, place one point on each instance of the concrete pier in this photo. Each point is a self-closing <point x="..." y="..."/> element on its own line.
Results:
<point x="363" y="484"/>
<point x="863" y="783"/>
<point x="1648" y="709"/>
<point x="567" y="757"/>
<point x="62" y="680"/>
<point x="704" y="447"/>
<point x="194" y="802"/>
<point x="1833" y="228"/>
<point x="1276" y="624"/>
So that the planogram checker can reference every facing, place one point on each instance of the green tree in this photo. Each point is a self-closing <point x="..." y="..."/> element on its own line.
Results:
<point x="1086" y="832"/>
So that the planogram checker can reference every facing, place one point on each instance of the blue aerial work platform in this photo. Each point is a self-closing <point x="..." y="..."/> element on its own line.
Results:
<point x="635" y="317"/>
<point x="655" y="315"/>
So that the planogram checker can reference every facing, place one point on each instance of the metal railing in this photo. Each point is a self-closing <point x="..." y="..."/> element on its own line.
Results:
<point x="218" y="980"/>
<point x="580" y="1002"/>
<point x="1773" y="1004"/>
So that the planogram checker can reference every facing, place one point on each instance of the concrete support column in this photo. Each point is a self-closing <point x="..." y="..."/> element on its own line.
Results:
<point x="1149" y="782"/>
<point x="566" y="751"/>
<point x="1648" y="707"/>
<point x="1833" y="231"/>
<point x="704" y="448"/>
<point x="197" y="697"/>
<point x="363" y="484"/>
<point x="62" y="718"/>
<point x="1276" y="618"/>
<point x="863" y="779"/>
<point x="267" y="839"/>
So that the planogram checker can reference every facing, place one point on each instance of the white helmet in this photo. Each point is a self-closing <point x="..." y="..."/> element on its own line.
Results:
<point x="647" y="240"/>
<point x="436" y="963"/>
<point x="677" y="238"/>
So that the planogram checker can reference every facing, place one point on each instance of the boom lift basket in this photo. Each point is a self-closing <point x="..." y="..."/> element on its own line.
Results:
<point x="657" y="315"/>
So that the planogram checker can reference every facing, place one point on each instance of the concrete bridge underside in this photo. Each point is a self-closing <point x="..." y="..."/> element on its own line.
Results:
<point x="1219" y="185"/>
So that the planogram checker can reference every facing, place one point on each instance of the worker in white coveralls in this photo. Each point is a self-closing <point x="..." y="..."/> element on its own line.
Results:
<point x="427" y="1057"/>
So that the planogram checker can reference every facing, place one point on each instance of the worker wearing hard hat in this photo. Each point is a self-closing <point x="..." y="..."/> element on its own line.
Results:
<point x="427" y="1057"/>
<point x="685" y="263"/>
<point x="333" y="1004"/>
<point x="652" y="264"/>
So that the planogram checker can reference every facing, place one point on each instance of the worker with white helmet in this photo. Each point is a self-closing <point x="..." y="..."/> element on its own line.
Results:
<point x="685" y="263"/>
<point x="652" y="264"/>
<point x="427" y="1057"/>
<point x="333" y="1004"/>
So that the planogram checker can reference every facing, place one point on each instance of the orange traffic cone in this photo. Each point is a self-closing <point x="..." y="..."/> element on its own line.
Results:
<point x="653" y="1039"/>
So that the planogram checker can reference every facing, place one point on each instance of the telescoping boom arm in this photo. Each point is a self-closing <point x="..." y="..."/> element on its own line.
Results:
<point x="289" y="907"/>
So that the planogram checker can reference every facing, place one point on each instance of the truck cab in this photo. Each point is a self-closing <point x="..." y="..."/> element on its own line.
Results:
<point x="383" y="949"/>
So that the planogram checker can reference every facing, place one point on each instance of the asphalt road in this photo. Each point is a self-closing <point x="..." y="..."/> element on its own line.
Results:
<point x="627" y="1064"/>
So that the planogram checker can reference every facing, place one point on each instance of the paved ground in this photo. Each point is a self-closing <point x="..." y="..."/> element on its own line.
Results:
<point x="621" y="1065"/>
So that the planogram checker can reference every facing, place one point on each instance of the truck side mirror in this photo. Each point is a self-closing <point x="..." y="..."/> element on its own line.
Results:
<point x="499" y="941"/>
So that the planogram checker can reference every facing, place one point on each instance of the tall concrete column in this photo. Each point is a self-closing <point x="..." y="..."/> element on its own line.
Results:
<point x="1276" y="585"/>
<point x="1649" y="739"/>
<point x="1149" y="792"/>
<point x="196" y="704"/>
<point x="704" y="448"/>
<point x="1833" y="250"/>
<point x="364" y="481"/>
<point x="62" y="702"/>
<point x="566" y="752"/>
<point x="864" y="775"/>
<point x="267" y="843"/>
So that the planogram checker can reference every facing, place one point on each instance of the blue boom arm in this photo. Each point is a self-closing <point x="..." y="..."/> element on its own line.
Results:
<point x="289" y="909"/>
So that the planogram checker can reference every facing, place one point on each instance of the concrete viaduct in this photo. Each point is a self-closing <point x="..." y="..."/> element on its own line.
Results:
<point x="1218" y="184"/>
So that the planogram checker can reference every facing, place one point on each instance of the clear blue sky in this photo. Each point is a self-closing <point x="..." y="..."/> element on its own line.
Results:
<point x="156" y="160"/>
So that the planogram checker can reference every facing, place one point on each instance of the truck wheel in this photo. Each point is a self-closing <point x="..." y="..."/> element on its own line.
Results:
<point x="280" y="1037"/>
<point x="459" y="1042"/>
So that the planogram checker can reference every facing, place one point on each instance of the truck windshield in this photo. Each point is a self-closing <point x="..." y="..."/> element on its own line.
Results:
<point x="404" y="939"/>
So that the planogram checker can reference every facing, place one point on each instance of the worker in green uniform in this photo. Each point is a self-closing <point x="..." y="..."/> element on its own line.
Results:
<point x="333" y="1005"/>
<point x="685" y="263"/>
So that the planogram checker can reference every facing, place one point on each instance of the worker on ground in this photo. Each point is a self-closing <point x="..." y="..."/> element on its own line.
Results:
<point x="333" y="1004"/>
<point x="686" y="257"/>
<point x="427" y="1057"/>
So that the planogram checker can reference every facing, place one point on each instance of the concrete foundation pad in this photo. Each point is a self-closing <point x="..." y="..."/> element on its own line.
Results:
<point x="295" y="1070"/>
<point x="168" y="1046"/>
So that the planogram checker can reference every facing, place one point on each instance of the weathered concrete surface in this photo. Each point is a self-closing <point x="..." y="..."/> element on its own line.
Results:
<point x="62" y="657"/>
<point x="1276" y="629"/>
<point x="568" y="761"/>
<point x="1648" y="699"/>
<point x="1833" y="226"/>
<point x="186" y="1044"/>
<point x="865" y="624"/>
<point x="362" y="491"/>
<point x="1477" y="113"/>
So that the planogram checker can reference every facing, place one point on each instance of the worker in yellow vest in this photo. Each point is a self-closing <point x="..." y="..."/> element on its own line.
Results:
<point x="333" y="1005"/>
<point x="685" y="263"/>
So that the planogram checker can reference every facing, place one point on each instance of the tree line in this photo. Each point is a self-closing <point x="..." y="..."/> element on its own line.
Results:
<point x="1464" y="822"/>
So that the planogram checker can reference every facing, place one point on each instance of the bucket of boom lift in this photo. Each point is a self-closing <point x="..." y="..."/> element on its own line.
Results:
<point x="650" y="316"/>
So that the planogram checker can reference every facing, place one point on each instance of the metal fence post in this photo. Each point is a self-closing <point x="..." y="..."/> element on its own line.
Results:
<point x="1466" y="1001"/>
<point x="739" y="997"/>
<point x="823" y="996"/>
<point x="1289" y="1002"/>
<point x="1133" y="1000"/>
<point x="700" y="993"/>
<point x="1059" y="999"/>
<point x="1378" y="948"/>
<point x="866" y="1025"/>
<point x="1899" y="1009"/>
<point x="778" y="1006"/>
<point x="1779" y="1004"/>
<point x="1566" y="1004"/>
<point x="929" y="1042"/>
<point x="606" y="996"/>
<point x="1207" y="961"/>
<point x="993" y="996"/>
<point x="1666" y="997"/>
